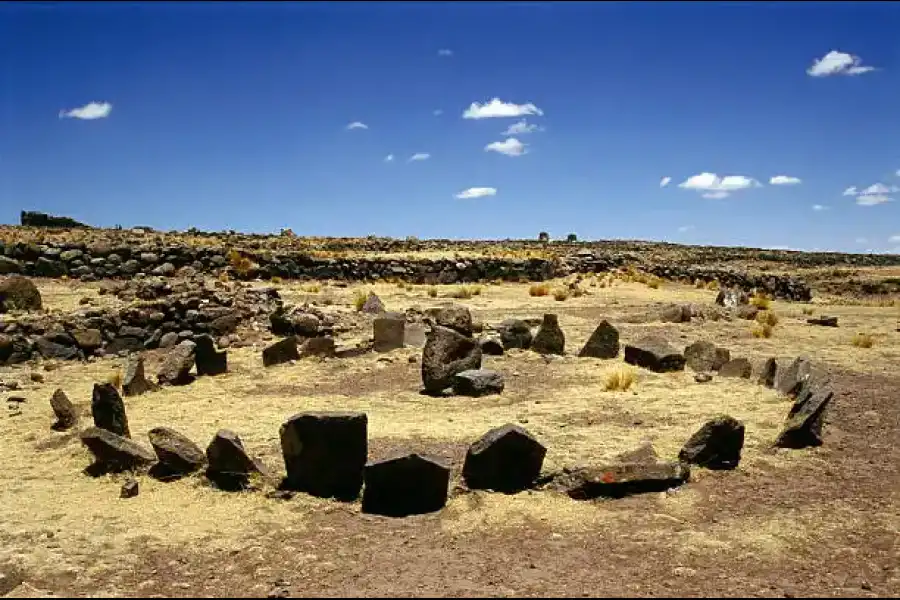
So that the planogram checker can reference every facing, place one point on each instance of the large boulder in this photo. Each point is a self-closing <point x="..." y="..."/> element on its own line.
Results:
<point x="135" y="382"/>
<point x="619" y="480"/>
<point x="655" y="354"/>
<point x="603" y="343"/>
<point x="66" y="415"/>
<point x="325" y="453"/>
<point x="716" y="445"/>
<point x="108" y="409"/>
<point x="505" y="459"/>
<point x="549" y="338"/>
<point x="176" y="452"/>
<point x="704" y="356"/>
<point x="446" y="353"/>
<point x="176" y="368"/>
<point x="389" y="330"/>
<point x="405" y="485"/>
<point x="477" y="382"/>
<point x="229" y="465"/>
<point x="807" y="416"/>
<point x="737" y="367"/>
<point x="209" y="360"/>
<point x="281" y="352"/>
<point x="114" y="453"/>
<point x="19" y="293"/>
<point x="456" y="317"/>
<point x="515" y="333"/>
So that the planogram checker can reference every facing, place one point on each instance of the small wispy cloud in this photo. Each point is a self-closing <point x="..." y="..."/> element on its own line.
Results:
<point x="897" y="173"/>
<point x="894" y="239"/>
<point x="437" y="112"/>
<point x="665" y="181"/>
<point x="477" y="192"/>
<point x="509" y="147"/>
<point x="819" y="207"/>
<point x="872" y="199"/>
<point x="88" y="112"/>
<point x="522" y="127"/>
<point x="496" y="108"/>
<point x="716" y="195"/>
<point x="838" y="63"/>
<point x="389" y="158"/>
<point x="850" y="191"/>
<point x="784" y="180"/>
<point x="357" y="125"/>
<point x="716" y="187"/>
<point x="685" y="228"/>
<point x="419" y="156"/>
<point x="445" y="52"/>
<point x="875" y="194"/>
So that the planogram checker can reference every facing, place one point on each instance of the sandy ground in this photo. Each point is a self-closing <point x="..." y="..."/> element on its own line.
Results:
<point x="822" y="521"/>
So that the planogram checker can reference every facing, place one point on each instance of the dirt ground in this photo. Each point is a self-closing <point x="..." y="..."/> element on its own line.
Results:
<point x="818" y="522"/>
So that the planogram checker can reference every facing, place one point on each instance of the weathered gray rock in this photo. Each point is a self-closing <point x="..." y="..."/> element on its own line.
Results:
<point x="768" y="373"/>
<point x="114" y="453"/>
<point x="176" y="452"/>
<point x="603" y="343"/>
<point x="655" y="354"/>
<point x="317" y="346"/>
<point x="389" y="330"/>
<point x="373" y="304"/>
<point x="675" y="313"/>
<point x="789" y="380"/>
<point x="807" y="416"/>
<point x="455" y="317"/>
<point x="491" y="345"/>
<point x="19" y="293"/>
<point x="415" y="335"/>
<point x="325" y="453"/>
<point x="281" y="352"/>
<point x="66" y="415"/>
<point x="619" y="480"/>
<point x="209" y="360"/>
<point x="177" y="366"/>
<point x="168" y="340"/>
<point x="549" y="339"/>
<point x="716" y="445"/>
<point x="446" y="353"/>
<point x="505" y="459"/>
<point x="88" y="340"/>
<point x="108" y="409"/>
<point x="229" y="465"/>
<point x="60" y="346"/>
<point x="515" y="333"/>
<point x="737" y="367"/>
<point x="135" y="382"/>
<point x="477" y="382"/>
<point x="405" y="485"/>
<point x="747" y="312"/>
<point x="643" y="454"/>
<point x="294" y="322"/>
<point x="705" y="356"/>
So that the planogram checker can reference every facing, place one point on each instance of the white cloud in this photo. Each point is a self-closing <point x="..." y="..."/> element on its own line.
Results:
<point x="784" y="180"/>
<point x="88" y="112"/>
<point x="716" y="195"/>
<point x="389" y="158"/>
<point x="509" y="147"/>
<point x="875" y="194"/>
<point x="685" y="228"/>
<point x="437" y="112"/>
<point x="872" y="199"/>
<point x="897" y="173"/>
<point x="861" y="240"/>
<point x="838" y="63"/>
<point x="880" y="188"/>
<point x="357" y="125"/>
<point x="419" y="156"/>
<point x="819" y="207"/>
<point x="894" y="239"/>
<point x="477" y="192"/>
<point x="521" y="127"/>
<point x="664" y="181"/>
<point x="445" y="52"/>
<point x="716" y="187"/>
<point x="496" y="108"/>
<point x="851" y="191"/>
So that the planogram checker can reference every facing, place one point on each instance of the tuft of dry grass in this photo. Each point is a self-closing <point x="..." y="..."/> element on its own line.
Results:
<point x="713" y="285"/>
<point x="314" y="288"/>
<point x="560" y="294"/>
<point x="761" y="301"/>
<point x="359" y="299"/>
<point x="863" y="340"/>
<point x="115" y="378"/>
<point x="539" y="289"/>
<point x="464" y="292"/>
<point x="432" y="292"/>
<point x="808" y="310"/>
<point x="767" y="317"/>
<point x="762" y="330"/>
<point x="619" y="379"/>
<point x="276" y="280"/>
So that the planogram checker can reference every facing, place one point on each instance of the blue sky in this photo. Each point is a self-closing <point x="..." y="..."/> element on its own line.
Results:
<point x="236" y="116"/>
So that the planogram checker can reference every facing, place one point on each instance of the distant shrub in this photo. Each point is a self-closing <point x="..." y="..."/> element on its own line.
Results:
<point x="619" y="379"/>
<point x="761" y="301"/>
<point x="571" y="238"/>
<point x="432" y="292"/>
<point x="543" y="236"/>
<point x="560" y="294"/>
<point x="767" y="317"/>
<point x="713" y="285"/>
<point x="762" y="330"/>
<point x="313" y="288"/>
<point x="863" y="340"/>
<point x="654" y="282"/>
<point x="276" y="280"/>
<point x="539" y="289"/>
<point x="240" y="263"/>
<point x="463" y="292"/>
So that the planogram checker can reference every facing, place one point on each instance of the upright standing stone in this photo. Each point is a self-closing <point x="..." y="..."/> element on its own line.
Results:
<point x="446" y="353"/>
<point x="549" y="339"/>
<point x="515" y="333"/>
<point x="389" y="330"/>
<point x="176" y="368"/>
<point x="769" y="370"/>
<point x="505" y="459"/>
<point x="230" y="466"/>
<point x="603" y="343"/>
<point x="405" y="485"/>
<point x="806" y="417"/>
<point x="66" y="415"/>
<point x="325" y="453"/>
<point x="209" y="360"/>
<point x="108" y="409"/>
<point x="135" y="382"/>
<point x="716" y="445"/>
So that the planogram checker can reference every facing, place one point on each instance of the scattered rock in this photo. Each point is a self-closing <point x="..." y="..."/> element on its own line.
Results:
<point x="789" y="380"/>
<point x="737" y="367"/>
<point x="603" y="343"/>
<point x="317" y="346"/>
<point x="57" y="345"/>
<point x="176" y="368"/>
<point x="492" y="346"/>
<point x="702" y="377"/>
<point x="675" y="313"/>
<point x="767" y="376"/>
<point x="19" y="293"/>
<point x="405" y="485"/>
<point x="716" y="445"/>
<point x="114" y="453"/>
<point x="505" y="459"/>
<point x="747" y="311"/>
<point x="281" y="352"/>
<point x="806" y="417"/>
<point x="549" y="339"/>
<point x="515" y="333"/>
<point x="325" y="453"/>
<point x="224" y="325"/>
<point x="373" y="305"/>
<point x="294" y="322"/>
<point x="705" y="356"/>
<point x="415" y="335"/>
<point x="209" y="361"/>
<point x="619" y="480"/>
<point x="88" y="340"/>
<point x="66" y="415"/>
<point x="176" y="453"/>
<point x="9" y="265"/>
<point x="229" y="466"/>
<point x="389" y="330"/>
<point x="655" y="354"/>
<point x="477" y="382"/>
<point x="135" y="382"/>
<point x="446" y="353"/>
<point x="36" y="377"/>
<point x="823" y="321"/>
<point x="129" y="489"/>
<point x="108" y="410"/>
<point x="168" y="340"/>
<point x="455" y="317"/>
<point x="644" y="454"/>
